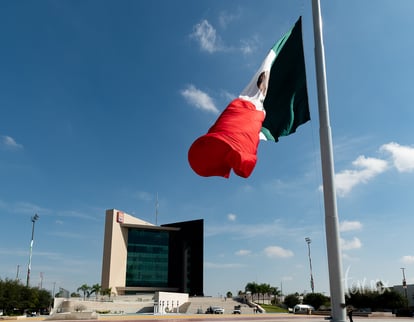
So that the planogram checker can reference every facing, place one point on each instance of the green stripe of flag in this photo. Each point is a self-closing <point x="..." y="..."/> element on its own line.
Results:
<point x="286" y="101"/>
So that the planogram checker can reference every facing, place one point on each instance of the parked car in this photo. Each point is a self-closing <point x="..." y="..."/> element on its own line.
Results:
<point x="215" y="310"/>
<point x="237" y="309"/>
<point x="303" y="309"/>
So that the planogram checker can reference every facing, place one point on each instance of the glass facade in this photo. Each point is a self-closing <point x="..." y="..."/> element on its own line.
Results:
<point x="147" y="259"/>
<point x="186" y="257"/>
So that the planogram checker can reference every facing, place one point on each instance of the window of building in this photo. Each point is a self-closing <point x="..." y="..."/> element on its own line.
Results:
<point x="147" y="259"/>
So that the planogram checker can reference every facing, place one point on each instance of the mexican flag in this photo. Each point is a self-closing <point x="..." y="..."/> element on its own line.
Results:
<point x="274" y="104"/>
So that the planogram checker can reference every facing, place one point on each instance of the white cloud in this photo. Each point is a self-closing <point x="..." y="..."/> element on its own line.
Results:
<point x="247" y="47"/>
<point x="243" y="252"/>
<point x="209" y="40"/>
<point x="402" y="156"/>
<point x="348" y="179"/>
<point x="207" y="37"/>
<point x="144" y="196"/>
<point x="249" y="231"/>
<point x="277" y="252"/>
<point x="9" y="143"/>
<point x="226" y="18"/>
<point x="408" y="259"/>
<point x="355" y="243"/>
<point x="199" y="99"/>
<point x="231" y="217"/>
<point x="222" y="265"/>
<point x="349" y="225"/>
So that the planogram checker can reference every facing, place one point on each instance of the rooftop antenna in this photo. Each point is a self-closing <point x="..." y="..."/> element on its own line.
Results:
<point x="156" y="211"/>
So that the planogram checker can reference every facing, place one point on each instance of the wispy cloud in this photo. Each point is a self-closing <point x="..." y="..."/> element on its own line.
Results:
<point x="78" y="214"/>
<point x="28" y="208"/>
<point x="248" y="231"/>
<point x="408" y="259"/>
<point x="209" y="40"/>
<point x="222" y="265"/>
<point x="65" y="234"/>
<point x="243" y="252"/>
<point x="7" y="142"/>
<point x="277" y="252"/>
<point x="354" y="243"/>
<point x="207" y="37"/>
<point x="23" y="208"/>
<point x="231" y="217"/>
<point x="349" y="225"/>
<point x="226" y="18"/>
<point x="402" y="156"/>
<point x="369" y="168"/>
<point x="199" y="99"/>
<point x="144" y="196"/>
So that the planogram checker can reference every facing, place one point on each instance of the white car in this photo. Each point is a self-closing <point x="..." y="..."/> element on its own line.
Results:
<point x="215" y="310"/>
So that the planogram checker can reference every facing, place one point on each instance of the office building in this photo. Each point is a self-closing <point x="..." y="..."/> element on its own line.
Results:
<point x="139" y="257"/>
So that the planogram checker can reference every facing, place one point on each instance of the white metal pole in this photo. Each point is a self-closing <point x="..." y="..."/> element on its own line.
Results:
<point x="331" y="217"/>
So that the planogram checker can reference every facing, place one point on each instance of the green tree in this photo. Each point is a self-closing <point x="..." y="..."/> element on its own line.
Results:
<point x="291" y="300"/>
<point x="107" y="291"/>
<point x="16" y="298"/>
<point x="376" y="300"/>
<point x="276" y="294"/>
<point x="229" y="295"/>
<point x="85" y="288"/>
<point x="253" y="288"/>
<point x="264" y="289"/>
<point x="316" y="300"/>
<point x="96" y="288"/>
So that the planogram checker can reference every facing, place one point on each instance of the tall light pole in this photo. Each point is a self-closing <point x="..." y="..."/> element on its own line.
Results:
<point x="29" y="267"/>
<point x="308" y="241"/>
<point x="404" y="284"/>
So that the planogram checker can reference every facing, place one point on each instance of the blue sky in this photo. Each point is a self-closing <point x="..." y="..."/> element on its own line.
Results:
<point x="101" y="100"/>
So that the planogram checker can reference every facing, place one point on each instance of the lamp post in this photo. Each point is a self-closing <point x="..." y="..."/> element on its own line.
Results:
<point x="308" y="241"/>
<point x="29" y="267"/>
<point x="404" y="284"/>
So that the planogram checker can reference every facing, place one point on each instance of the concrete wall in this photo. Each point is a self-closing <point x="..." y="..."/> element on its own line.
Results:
<point x="115" y="307"/>
<point x="169" y="302"/>
<point x="115" y="248"/>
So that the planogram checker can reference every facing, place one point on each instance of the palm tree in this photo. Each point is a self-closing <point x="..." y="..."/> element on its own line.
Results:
<point x="96" y="288"/>
<point x="276" y="293"/>
<point x="85" y="290"/>
<point x="107" y="291"/>
<point x="264" y="289"/>
<point x="253" y="288"/>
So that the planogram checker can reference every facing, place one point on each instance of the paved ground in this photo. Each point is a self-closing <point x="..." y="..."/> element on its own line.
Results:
<point x="255" y="317"/>
<point x="277" y="317"/>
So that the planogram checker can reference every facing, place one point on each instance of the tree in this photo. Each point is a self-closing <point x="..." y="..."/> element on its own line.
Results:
<point x="275" y="293"/>
<point x="388" y="299"/>
<point x="229" y="295"/>
<point x="96" y="288"/>
<point x="107" y="291"/>
<point x="16" y="298"/>
<point x="291" y="300"/>
<point x="85" y="288"/>
<point x="316" y="300"/>
<point x="253" y="288"/>
<point x="264" y="289"/>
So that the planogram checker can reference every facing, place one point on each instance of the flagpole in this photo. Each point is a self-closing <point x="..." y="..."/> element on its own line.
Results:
<point x="331" y="217"/>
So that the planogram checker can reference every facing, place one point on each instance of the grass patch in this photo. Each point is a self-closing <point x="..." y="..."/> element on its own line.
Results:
<point x="273" y="309"/>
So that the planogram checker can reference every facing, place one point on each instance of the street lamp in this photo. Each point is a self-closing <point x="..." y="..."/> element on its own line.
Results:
<point x="34" y="218"/>
<point x="308" y="241"/>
